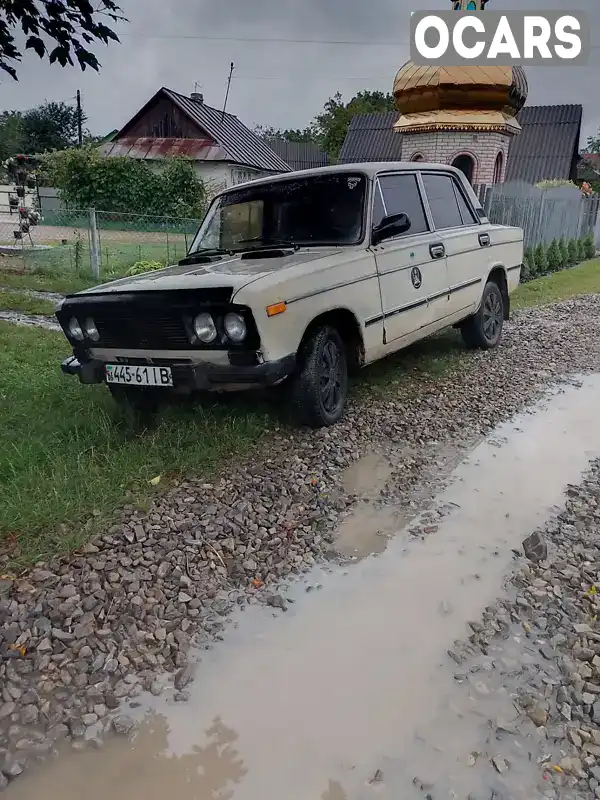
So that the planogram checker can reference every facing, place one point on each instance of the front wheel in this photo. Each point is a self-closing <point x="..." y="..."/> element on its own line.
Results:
<point x="484" y="329"/>
<point x="320" y="388"/>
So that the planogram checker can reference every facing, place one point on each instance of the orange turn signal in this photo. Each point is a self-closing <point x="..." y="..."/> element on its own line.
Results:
<point x="276" y="308"/>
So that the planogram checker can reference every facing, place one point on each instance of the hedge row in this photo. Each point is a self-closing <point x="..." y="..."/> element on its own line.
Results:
<point x="560" y="254"/>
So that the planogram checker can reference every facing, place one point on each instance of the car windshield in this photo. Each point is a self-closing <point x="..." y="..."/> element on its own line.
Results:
<point x="310" y="211"/>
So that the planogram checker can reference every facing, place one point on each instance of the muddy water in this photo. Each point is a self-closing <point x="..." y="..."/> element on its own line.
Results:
<point x="350" y="694"/>
<point x="29" y="320"/>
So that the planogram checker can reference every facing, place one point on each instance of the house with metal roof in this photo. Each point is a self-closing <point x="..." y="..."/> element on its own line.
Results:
<point x="299" y="155"/>
<point x="546" y="149"/>
<point x="224" y="150"/>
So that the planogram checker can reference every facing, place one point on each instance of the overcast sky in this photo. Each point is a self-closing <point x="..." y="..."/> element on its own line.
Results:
<point x="279" y="83"/>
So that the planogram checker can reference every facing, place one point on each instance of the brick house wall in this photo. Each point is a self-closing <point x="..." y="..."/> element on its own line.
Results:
<point x="442" y="147"/>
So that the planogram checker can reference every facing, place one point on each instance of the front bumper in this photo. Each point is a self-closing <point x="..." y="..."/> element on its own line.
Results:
<point x="197" y="377"/>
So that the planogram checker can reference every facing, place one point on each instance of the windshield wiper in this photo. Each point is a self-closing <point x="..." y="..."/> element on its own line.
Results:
<point x="269" y="242"/>
<point x="198" y="256"/>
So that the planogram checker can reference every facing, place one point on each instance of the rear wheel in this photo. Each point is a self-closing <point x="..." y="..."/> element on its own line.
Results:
<point x="484" y="329"/>
<point x="320" y="389"/>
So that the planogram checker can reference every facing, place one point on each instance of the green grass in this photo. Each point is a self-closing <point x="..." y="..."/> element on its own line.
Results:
<point x="583" y="279"/>
<point x="11" y="301"/>
<point x="44" y="282"/>
<point x="68" y="456"/>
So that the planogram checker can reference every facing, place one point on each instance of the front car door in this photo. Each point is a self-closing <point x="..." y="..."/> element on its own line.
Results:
<point x="463" y="236"/>
<point x="412" y="266"/>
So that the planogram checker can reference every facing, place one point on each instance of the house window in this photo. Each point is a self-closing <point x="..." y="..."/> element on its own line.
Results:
<point x="498" y="166"/>
<point x="242" y="176"/>
<point x="417" y="157"/>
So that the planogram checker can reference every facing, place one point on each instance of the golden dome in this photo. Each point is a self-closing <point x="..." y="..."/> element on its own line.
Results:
<point x="418" y="90"/>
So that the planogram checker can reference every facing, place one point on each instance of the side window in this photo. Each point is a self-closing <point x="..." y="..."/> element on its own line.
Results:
<point x="442" y="200"/>
<point x="401" y="196"/>
<point x="467" y="215"/>
<point x="378" y="209"/>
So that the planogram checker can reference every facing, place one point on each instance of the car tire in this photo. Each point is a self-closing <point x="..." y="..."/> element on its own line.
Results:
<point x="141" y="401"/>
<point x="484" y="329"/>
<point x="320" y="388"/>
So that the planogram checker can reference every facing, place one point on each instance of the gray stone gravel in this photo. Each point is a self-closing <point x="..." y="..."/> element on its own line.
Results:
<point x="541" y="644"/>
<point x="82" y="637"/>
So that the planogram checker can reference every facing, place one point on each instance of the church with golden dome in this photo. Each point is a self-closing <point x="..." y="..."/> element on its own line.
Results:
<point x="472" y="117"/>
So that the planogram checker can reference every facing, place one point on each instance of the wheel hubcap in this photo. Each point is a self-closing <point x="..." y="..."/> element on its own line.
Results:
<point x="492" y="315"/>
<point x="331" y="378"/>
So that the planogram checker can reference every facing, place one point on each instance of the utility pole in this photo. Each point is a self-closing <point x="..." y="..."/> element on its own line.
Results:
<point x="231" y="68"/>
<point x="79" y="120"/>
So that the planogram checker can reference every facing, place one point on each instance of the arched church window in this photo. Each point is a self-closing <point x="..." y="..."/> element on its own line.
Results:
<point x="498" y="166"/>
<point x="466" y="164"/>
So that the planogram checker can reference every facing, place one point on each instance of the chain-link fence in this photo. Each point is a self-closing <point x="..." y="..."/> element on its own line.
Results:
<point x="93" y="245"/>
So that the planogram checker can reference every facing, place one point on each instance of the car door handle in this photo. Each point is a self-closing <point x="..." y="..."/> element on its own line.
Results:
<point x="437" y="250"/>
<point x="484" y="239"/>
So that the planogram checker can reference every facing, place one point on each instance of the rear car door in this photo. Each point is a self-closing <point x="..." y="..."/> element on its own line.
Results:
<point x="464" y="238"/>
<point x="412" y="266"/>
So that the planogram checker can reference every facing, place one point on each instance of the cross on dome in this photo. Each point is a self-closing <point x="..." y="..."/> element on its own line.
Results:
<point x="469" y="5"/>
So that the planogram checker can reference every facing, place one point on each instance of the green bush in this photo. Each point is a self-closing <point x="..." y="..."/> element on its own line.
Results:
<point x="144" y="266"/>
<point x="554" y="257"/>
<point x="564" y="253"/>
<point x="573" y="252"/>
<point x="528" y="264"/>
<point x="541" y="260"/>
<point x="580" y="251"/>
<point x="86" y="179"/>
<point x="589" y="246"/>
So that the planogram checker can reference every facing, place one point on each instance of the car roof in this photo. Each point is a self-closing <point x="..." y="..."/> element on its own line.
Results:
<point x="369" y="168"/>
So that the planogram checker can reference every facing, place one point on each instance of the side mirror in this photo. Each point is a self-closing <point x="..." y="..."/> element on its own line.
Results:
<point x="390" y="226"/>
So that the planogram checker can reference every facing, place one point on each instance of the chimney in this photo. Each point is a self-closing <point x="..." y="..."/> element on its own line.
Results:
<point x="197" y="96"/>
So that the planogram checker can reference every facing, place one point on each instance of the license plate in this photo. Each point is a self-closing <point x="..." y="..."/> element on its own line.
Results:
<point x="139" y="376"/>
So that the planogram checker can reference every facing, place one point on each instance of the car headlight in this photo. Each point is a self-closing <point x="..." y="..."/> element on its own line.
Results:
<point x="205" y="328"/>
<point x="90" y="329"/>
<point x="235" y="327"/>
<point x="75" y="331"/>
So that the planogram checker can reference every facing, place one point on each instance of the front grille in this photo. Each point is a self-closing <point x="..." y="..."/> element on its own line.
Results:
<point x="165" y="331"/>
<point x="157" y="320"/>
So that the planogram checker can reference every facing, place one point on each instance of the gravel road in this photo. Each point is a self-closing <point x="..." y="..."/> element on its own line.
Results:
<point x="79" y="638"/>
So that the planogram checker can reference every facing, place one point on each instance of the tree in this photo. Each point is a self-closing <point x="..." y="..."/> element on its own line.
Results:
<point x="11" y="134"/>
<point x="59" y="30"/>
<point x="593" y="144"/>
<point x="287" y="135"/>
<point x="331" y="126"/>
<point x="51" y="126"/>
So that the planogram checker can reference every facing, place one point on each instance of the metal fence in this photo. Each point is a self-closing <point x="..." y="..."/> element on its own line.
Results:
<point x="543" y="214"/>
<point x="97" y="244"/>
<point x="100" y="245"/>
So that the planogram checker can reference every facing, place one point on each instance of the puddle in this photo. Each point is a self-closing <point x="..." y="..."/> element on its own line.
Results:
<point x="366" y="476"/>
<point x="350" y="694"/>
<point x="368" y="530"/>
<point x="28" y="320"/>
<point x="51" y="296"/>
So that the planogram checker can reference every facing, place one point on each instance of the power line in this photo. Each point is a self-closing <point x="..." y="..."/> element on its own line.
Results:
<point x="274" y="40"/>
<point x="262" y="39"/>
<point x="303" y="75"/>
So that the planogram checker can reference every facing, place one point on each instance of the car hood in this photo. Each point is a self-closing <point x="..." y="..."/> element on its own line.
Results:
<point x="231" y="271"/>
